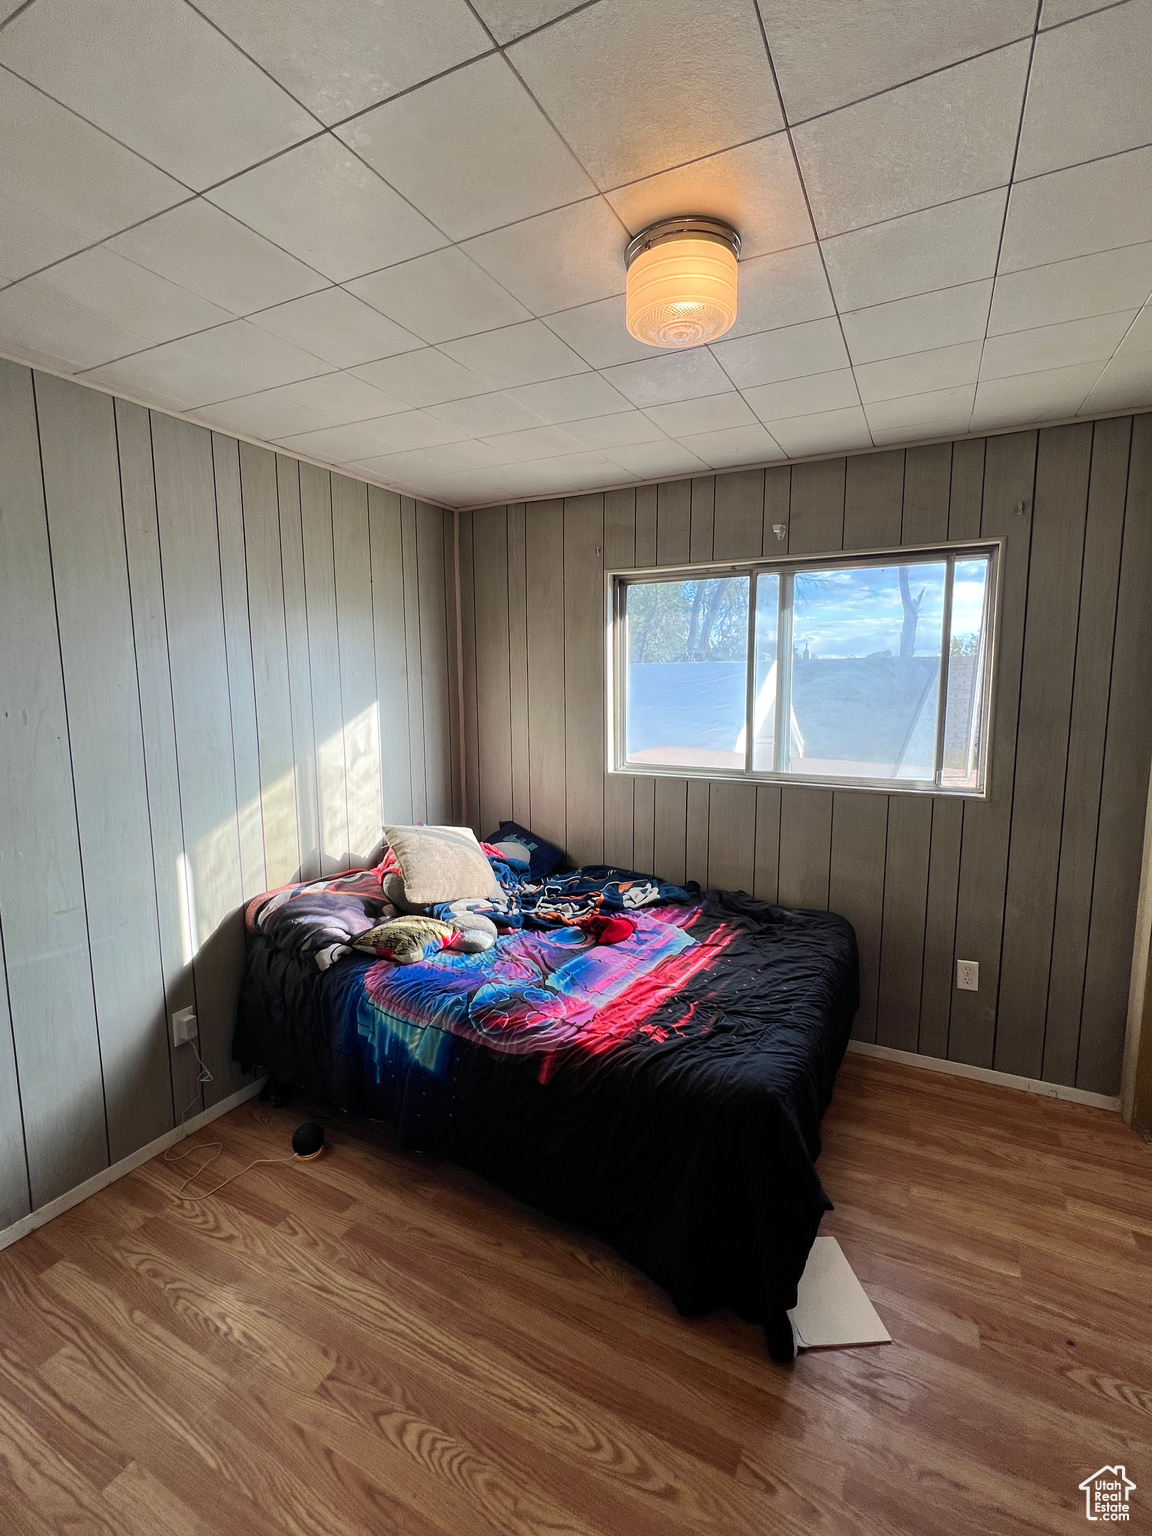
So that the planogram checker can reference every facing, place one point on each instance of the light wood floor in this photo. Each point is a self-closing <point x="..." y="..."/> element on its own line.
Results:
<point x="371" y="1344"/>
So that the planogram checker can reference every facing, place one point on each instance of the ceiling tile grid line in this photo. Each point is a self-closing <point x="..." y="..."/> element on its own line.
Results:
<point x="971" y="292"/>
<point x="1007" y="205"/>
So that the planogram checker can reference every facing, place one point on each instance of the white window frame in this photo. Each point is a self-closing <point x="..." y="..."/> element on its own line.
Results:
<point x="618" y="581"/>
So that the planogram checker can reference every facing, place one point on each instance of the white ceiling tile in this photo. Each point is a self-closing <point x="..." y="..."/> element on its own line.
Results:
<point x="173" y="89"/>
<point x="788" y="353"/>
<point x="949" y="136"/>
<point x="206" y="250"/>
<point x="827" y="54"/>
<point x="1078" y="211"/>
<point x="598" y="333"/>
<point x="822" y="432"/>
<point x="387" y="434"/>
<point x="97" y="288"/>
<point x="711" y="413"/>
<point x="340" y="56"/>
<point x="1072" y="290"/>
<point x="935" y="248"/>
<point x="230" y="360"/>
<point x="486" y="415"/>
<point x="754" y="188"/>
<point x="1050" y="395"/>
<point x="935" y="368"/>
<point x="1054" y="346"/>
<point x="426" y="377"/>
<point x="515" y="354"/>
<point x="670" y="376"/>
<point x="535" y="443"/>
<point x="734" y="445"/>
<point x="164" y="376"/>
<point x="1088" y="91"/>
<point x="616" y="431"/>
<point x="557" y="260"/>
<point x="939" y="319"/>
<point x="571" y="399"/>
<point x="439" y="145"/>
<point x="801" y="397"/>
<point x="440" y="296"/>
<point x="786" y="288"/>
<point x="533" y="478"/>
<point x="1056" y="11"/>
<point x="342" y="397"/>
<point x="1126" y="384"/>
<point x="435" y="465"/>
<point x="337" y="327"/>
<point x="270" y="415"/>
<point x="63" y="183"/>
<point x="652" y="460"/>
<point x="1138" y="337"/>
<point x="947" y="409"/>
<point x="42" y="329"/>
<point x="509" y="19"/>
<point x="327" y="207"/>
<point x="636" y="87"/>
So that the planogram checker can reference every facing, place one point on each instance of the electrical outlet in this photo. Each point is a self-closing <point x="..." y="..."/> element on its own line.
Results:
<point x="968" y="975"/>
<point x="184" y="1026"/>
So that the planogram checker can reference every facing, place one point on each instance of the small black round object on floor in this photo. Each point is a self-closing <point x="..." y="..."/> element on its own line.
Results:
<point x="308" y="1139"/>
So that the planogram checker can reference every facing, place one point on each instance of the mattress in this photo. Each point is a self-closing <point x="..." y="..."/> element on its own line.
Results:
<point x="664" y="1092"/>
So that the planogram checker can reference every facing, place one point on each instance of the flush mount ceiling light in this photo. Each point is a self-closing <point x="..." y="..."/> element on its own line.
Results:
<point x="680" y="290"/>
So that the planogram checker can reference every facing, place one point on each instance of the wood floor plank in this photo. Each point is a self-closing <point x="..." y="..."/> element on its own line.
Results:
<point x="380" y="1343"/>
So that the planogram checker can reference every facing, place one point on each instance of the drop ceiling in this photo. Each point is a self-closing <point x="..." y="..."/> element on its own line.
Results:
<point x="388" y="235"/>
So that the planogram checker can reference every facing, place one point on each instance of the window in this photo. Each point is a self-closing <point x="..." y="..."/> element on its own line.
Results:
<point x="868" y="670"/>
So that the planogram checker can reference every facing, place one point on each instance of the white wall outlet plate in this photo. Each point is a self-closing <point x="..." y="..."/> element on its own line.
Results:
<point x="184" y="1026"/>
<point x="968" y="975"/>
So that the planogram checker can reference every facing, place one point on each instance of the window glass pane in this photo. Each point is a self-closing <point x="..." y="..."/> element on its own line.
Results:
<point x="687" y="679"/>
<point x="966" y="664"/>
<point x="765" y="682"/>
<point x="866" y="650"/>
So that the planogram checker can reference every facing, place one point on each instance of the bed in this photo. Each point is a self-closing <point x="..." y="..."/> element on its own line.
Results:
<point x="663" y="1091"/>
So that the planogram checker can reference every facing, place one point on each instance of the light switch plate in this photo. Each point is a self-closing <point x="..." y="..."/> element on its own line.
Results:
<point x="968" y="975"/>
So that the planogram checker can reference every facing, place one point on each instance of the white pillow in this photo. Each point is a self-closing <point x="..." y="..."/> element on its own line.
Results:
<point x="442" y="864"/>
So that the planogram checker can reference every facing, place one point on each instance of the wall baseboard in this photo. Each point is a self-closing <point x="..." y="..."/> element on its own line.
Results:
<point x="987" y="1075"/>
<point x="106" y="1176"/>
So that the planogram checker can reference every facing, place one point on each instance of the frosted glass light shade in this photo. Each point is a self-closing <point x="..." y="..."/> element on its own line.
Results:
<point x="680" y="290"/>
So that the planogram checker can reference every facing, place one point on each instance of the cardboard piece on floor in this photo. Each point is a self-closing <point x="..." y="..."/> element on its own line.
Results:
<point x="832" y="1309"/>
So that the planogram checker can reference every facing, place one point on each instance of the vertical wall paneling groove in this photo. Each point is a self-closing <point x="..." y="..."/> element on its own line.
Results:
<point x="1086" y="739"/>
<point x="142" y="543"/>
<point x="409" y="534"/>
<point x="474" y="815"/>
<point x="518" y="666"/>
<point x="241" y="680"/>
<point x="1054" y="581"/>
<point x="359" y="695"/>
<point x="299" y="665"/>
<point x="47" y="959"/>
<point x="490" y="578"/>
<point x="324" y="664"/>
<point x="1125" y="786"/>
<point x="212" y="889"/>
<point x="1009" y="485"/>
<point x="179" y="647"/>
<point x="86" y="535"/>
<point x="544" y="574"/>
<point x="271" y="690"/>
<point x="430" y="556"/>
<point x="583" y="670"/>
<point x="1038" y="882"/>
<point x="453" y="649"/>
<point x="619" y="553"/>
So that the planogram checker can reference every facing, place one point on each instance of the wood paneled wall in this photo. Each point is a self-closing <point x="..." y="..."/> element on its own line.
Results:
<point x="1038" y="883"/>
<point x="218" y="667"/>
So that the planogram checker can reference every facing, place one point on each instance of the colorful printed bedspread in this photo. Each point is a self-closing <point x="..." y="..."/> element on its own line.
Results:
<point x="664" y="1091"/>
